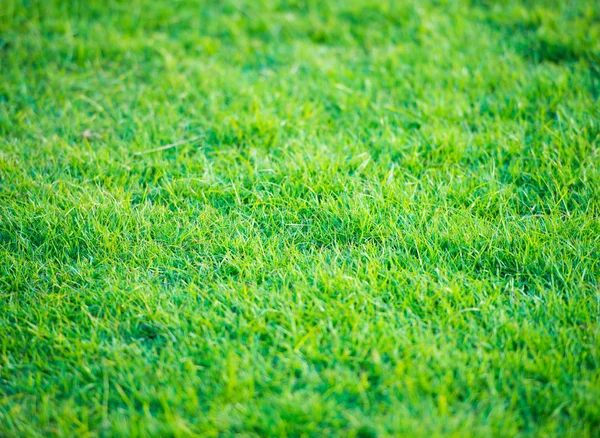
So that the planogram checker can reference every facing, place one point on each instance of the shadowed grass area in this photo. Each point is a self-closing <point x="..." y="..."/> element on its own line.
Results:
<point x="383" y="218"/>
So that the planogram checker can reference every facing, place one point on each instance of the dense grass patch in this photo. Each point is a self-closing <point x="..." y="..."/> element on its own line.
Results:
<point x="383" y="218"/>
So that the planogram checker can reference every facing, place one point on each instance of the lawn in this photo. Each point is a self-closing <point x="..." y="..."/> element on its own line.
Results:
<point x="299" y="218"/>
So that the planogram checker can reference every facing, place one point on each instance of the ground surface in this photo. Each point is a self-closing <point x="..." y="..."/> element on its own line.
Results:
<point x="384" y="218"/>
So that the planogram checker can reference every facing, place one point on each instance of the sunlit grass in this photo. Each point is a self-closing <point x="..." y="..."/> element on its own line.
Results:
<point x="379" y="218"/>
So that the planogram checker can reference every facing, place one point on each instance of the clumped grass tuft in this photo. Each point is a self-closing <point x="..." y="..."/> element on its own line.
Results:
<point x="285" y="218"/>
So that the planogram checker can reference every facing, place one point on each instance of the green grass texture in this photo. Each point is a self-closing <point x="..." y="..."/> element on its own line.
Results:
<point x="359" y="218"/>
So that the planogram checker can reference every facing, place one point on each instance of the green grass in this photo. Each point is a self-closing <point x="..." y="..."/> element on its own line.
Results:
<point x="388" y="222"/>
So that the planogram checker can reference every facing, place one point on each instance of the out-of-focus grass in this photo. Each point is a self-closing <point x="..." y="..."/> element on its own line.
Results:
<point x="389" y="223"/>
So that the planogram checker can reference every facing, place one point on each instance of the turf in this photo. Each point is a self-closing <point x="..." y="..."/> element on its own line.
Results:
<point x="299" y="218"/>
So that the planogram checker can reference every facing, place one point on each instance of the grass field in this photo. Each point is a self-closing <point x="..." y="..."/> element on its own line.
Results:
<point x="299" y="218"/>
